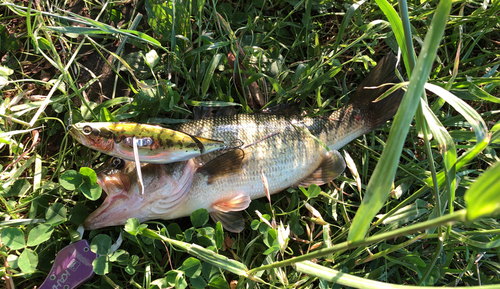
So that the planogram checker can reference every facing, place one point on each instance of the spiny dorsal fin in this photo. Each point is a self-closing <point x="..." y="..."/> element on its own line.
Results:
<point x="285" y="109"/>
<point x="232" y="221"/>
<point x="203" y="112"/>
<point x="331" y="167"/>
<point x="228" y="163"/>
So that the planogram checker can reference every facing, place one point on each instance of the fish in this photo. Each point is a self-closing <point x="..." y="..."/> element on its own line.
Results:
<point x="155" y="144"/>
<point x="279" y="151"/>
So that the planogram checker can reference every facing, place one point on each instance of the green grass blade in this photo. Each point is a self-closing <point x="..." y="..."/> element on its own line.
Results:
<point x="480" y="93"/>
<point x="206" y="255"/>
<point x="396" y="24"/>
<point x="79" y="30"/>
<point x="345" y="21"/>
<point x="470" y="114"/>
<point x="209" y="73"/>
<point x="349" y="280"/>
<point x="495" y="242"/>
<point x="380" y="183"/>
<point x="459" y="216"/>
<point x="447" y="148"/>
<point x="483" y="198"/>
<point x="211" y="103"/>
<point x="202" y="253"/>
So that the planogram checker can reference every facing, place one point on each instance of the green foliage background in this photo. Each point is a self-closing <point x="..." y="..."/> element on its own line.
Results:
<point x="417" y="206"/>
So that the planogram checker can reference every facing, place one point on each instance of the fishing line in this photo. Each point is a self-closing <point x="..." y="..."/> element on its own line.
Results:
<point x="259" y="140"/>
<point x="137" y="163"/>
<point x="70" y="117"/>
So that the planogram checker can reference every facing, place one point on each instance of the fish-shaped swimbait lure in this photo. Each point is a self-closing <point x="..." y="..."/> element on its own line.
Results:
<point x="155" y="144"/>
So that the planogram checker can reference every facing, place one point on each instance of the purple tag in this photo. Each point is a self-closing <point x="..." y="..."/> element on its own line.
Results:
<point x="72" y="267"/>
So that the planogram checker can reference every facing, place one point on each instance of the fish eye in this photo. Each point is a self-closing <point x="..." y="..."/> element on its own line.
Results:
<point x="118" y="163"/>
<point x="87" y="130"/>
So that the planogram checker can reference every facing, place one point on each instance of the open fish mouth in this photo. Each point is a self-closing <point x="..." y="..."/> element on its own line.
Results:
<point x="164" y="193"/>
<point x="116" y="187"/>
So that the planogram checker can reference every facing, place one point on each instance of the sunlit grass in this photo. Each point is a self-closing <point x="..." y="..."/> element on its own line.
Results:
<point x="403" y="213"/>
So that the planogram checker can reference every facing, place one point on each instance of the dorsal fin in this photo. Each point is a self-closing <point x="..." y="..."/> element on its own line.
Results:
<point x="285" y="109"/>
<point x="227" y="163"/>
<point x="202" y="112"/>
<point x="331" y="167"/>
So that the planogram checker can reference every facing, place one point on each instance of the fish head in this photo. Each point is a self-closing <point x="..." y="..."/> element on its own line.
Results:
<point x="96" y="135"/>
<point x="165" y="186"/>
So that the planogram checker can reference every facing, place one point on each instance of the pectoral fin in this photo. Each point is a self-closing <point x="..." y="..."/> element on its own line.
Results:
<point x="228" y="163"/>
<point x="232" y="221"/>
<point x="331" y="167"/>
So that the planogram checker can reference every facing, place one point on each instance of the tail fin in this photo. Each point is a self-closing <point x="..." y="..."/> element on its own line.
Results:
<point x="381" y="111"/>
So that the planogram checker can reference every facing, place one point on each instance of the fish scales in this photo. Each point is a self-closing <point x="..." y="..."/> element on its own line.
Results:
<point x="251" y="128"/>
<point x="285" y="158"/>
<point x="277" y="149"/>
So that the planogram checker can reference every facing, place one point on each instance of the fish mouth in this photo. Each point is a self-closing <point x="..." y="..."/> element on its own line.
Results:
<point x="117" y="206"/>
<point x="163" y="198"/>
<point x="108" y="214"/>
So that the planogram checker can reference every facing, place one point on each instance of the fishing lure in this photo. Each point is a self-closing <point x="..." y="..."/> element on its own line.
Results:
<point x="142" y="143"/>
<point x="154" y="144"/>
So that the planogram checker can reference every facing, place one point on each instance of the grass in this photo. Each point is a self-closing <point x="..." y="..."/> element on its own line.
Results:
<point x="416" y="206"/>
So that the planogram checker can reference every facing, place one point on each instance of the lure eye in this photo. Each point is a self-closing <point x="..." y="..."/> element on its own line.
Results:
<point x="87" y="130"/>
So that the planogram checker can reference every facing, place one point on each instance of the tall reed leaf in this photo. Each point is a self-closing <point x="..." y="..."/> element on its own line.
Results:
<point x="380" y="184"/>
<point x="341" y="278"/>
<point x="470" y="114"/>
<point x="447" y="148"/>
<point x="345" y="21"/>
<point x="396" y="24"/>
<point x="473" y="118"/>
<point x="483" y="198"/>
<point x="209" y="73"/>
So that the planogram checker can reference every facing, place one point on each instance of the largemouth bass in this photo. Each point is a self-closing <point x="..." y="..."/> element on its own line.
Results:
<point x="286" y="151"/>
<point x="155" y="144"/>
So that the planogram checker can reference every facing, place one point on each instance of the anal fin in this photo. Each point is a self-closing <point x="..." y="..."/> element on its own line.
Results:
<point x="231" y="221"/>
<point x="228" y="163"/>
<point x="330" y="168"/>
